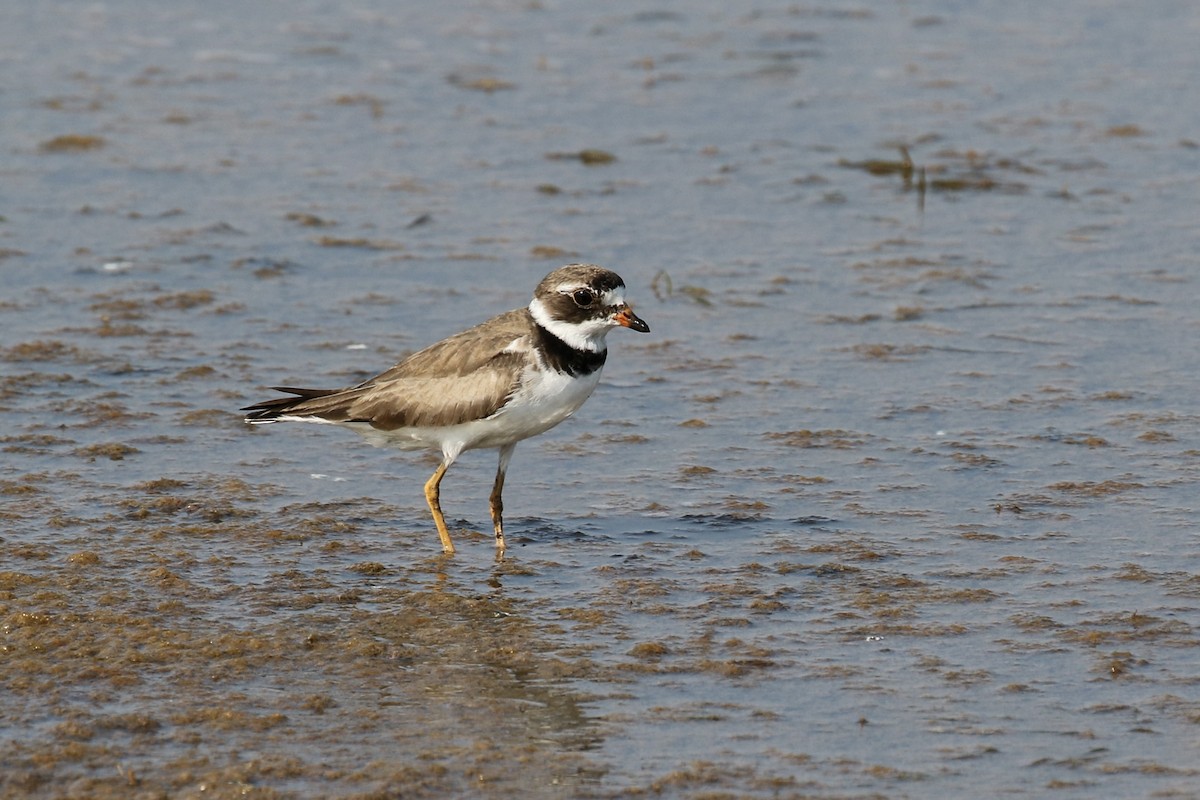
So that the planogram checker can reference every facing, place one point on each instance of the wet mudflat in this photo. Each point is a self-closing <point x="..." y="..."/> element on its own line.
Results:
<point x="897" y="500"/>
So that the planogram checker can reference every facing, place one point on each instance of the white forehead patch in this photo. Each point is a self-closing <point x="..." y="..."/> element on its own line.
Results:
<point x="613" y="297"/>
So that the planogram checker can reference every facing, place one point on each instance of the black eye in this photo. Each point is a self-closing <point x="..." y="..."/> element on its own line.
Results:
<point x="583" y="297"/>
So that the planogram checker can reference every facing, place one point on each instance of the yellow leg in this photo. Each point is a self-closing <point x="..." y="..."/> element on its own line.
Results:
<point x="431" y="496"/>
<point x="495" y="501"/>
<point x="497" y="506"/>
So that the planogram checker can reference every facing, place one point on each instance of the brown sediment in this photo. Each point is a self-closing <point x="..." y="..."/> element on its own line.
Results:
<point x="72" y="143"/>
<point x="551" y="252"/>
<point x="590" y="157"/>
<point x="481" y="83"/>
<point x="462" y="685"/>
<point x="838" y="439"/>
<point x="309" y="220"/>
<point x="952" y="171"/>
<point x="360" y="242"/>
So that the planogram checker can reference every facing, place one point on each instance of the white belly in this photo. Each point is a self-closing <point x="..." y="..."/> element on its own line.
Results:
<point x="544" y="400"/>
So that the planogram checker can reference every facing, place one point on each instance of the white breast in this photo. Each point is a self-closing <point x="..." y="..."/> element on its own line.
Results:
<point x="544" y="399"/>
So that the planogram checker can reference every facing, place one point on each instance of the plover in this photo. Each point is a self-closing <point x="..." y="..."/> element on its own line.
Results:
<point x="515" y="376"/>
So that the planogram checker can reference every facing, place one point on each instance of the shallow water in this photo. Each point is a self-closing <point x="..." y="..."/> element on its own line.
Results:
<point x="896" y="500"/>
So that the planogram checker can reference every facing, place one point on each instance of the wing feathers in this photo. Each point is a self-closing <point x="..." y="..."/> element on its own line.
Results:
<point x="466" y="377"/>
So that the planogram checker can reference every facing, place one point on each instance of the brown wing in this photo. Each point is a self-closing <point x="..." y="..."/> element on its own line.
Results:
<point x="466" y="377"/>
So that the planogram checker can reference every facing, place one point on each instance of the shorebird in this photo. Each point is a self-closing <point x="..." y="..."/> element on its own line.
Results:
<point x="507" y="379"/>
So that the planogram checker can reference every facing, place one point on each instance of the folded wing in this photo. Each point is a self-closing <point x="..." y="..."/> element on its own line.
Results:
<point x="466" y="377"/>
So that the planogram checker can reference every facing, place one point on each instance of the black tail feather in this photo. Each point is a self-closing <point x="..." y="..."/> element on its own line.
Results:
<point x="273" y="409"/>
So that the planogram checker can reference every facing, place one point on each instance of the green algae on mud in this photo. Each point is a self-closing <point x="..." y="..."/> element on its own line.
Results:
<point x="454" y="689"/>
